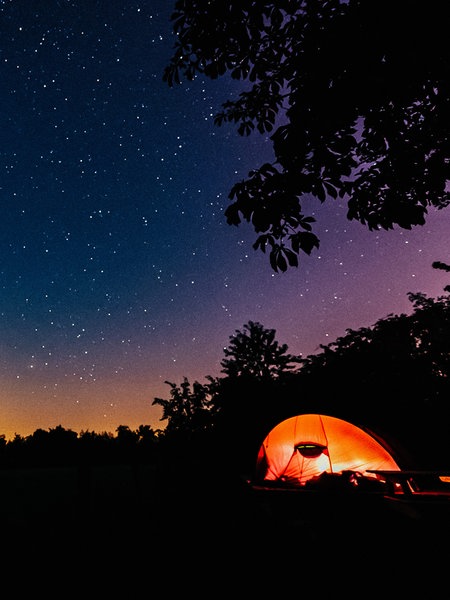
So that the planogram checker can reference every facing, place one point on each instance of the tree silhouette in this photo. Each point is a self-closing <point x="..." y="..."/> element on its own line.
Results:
<point x="355" y="97"/>
<point x="393" y="377"/>
<point x="188" y="411"/>
<point x="254" y="352"/>
<point x="227" y="417"/>
<point x="255" y="392"/>
<point x="63" y="447"/>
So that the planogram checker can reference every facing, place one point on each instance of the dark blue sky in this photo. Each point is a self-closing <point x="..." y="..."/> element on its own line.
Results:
<point x="118" y="270"/>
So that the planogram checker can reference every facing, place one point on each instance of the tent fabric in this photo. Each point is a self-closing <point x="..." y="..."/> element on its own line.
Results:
<point x="308" y="445"/>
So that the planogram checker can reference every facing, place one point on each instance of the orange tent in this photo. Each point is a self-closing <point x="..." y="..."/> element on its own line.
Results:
<point x="305" y="446"/>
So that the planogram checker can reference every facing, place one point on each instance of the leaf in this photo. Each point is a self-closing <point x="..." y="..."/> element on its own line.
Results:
<point x="308" y="241"/>
<point x="232" y="214"/>
<point x="305" y="223"/>
<point x="263" y="241"/>
<point x="273" y="260"/>
<point x="246" y="128"/>
<point x="331" y="190"/>
<point x="281" y="263"/>
<point x="292" y="257"/>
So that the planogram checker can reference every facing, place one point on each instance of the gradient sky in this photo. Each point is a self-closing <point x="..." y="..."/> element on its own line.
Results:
<point x="118" y="269"/>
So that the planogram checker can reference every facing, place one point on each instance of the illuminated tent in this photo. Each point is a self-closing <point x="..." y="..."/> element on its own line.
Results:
<point x="306" y="446"/>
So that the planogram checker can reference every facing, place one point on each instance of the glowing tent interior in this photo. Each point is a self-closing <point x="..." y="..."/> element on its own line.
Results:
<point x="305" y="446"/>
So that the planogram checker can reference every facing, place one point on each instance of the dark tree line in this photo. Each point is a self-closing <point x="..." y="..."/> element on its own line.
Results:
<point x="392" y="377"/>
<point x="60" y="447"/>
<point x="221" y="418"/>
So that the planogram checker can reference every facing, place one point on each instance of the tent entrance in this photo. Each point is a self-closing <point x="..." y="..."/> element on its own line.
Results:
<point x="308" y="450"/>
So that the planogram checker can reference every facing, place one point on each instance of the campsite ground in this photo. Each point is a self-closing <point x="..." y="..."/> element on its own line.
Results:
<point x="122" y="529"/>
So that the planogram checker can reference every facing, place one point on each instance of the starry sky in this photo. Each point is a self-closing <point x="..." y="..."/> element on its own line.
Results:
<point x="118" y="271"/>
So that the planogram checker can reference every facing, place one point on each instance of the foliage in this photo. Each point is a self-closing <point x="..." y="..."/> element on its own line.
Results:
<point x="443" y="267"/>
<point x="58" y="446"/>
<point x="254" y="352"/>
<point x="393" y="376"/>
<point x="355" y="97"/>
<point x="230" y="415"/>
<point x="189" y="408"/>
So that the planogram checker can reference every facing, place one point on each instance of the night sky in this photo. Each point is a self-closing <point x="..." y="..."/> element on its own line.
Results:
<point x="118" y="269"/>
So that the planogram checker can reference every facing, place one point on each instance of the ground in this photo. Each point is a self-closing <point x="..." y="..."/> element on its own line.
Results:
<point x="123" y="529"/>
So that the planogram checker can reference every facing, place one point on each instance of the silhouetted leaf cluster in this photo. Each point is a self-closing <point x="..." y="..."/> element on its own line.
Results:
<point x="256" y="353"/>
<point x="355" y="97"/>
